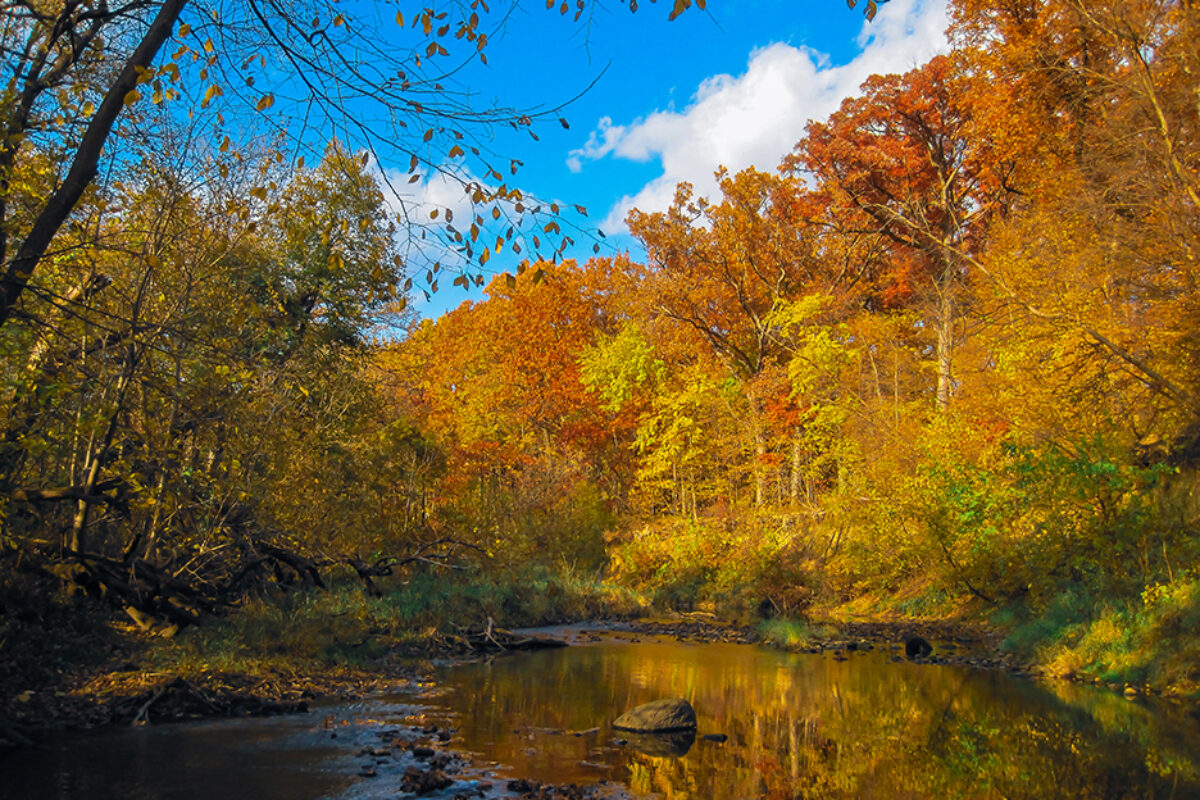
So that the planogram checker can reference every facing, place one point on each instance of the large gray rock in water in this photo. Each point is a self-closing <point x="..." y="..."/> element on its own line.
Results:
<point x="661" y="716"/>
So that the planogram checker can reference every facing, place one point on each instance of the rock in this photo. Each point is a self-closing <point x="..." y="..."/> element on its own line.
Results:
<point x="660" y="716"/>
<point x="523" y="786"/>
<point x="916" y="647"/>
<point x="715" y="737"/>
<point x="419" y="782"/>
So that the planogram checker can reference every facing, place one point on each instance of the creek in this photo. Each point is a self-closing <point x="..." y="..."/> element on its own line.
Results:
<point x="859" y="725"/>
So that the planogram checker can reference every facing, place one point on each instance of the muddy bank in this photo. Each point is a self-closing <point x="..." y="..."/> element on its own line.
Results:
<point x="119" y="688"/>
<point x="132" y="697"/>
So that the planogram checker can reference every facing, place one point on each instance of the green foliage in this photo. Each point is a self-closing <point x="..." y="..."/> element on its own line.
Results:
<point x="620" y="367"/>
<point x="1154" y="638"/>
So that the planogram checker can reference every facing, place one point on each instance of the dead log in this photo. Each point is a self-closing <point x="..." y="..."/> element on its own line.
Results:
<point x="491" y="639"/>
<point x="58" y="494"/>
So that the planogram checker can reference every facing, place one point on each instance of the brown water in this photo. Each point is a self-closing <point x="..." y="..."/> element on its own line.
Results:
<point x="797" y="726"/>
<point x="813" y="726"/>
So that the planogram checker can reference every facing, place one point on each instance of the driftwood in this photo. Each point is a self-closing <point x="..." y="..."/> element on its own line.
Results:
<point x="177" y="698"/>
<point x="490" y="639"/>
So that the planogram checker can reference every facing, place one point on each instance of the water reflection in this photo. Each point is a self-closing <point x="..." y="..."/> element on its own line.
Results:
<point x="812" y="726"/>
<point x="796" y="727"/>
<point x="666" y="745"/>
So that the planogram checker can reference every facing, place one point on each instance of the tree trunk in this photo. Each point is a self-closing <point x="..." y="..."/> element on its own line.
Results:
<point x="760" y="451"/>
<point x="63" y="200"/>
<point x="797" y="453"/>
<point x="945" y="337"/>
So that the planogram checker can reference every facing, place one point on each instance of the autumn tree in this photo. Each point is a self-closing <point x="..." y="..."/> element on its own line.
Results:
<point x="1097" y="110"/>
<point x="722" y="270"/>
<point x="899" y="160"/>
<point x="535" y="464"/>
<point x="175" y="418"/>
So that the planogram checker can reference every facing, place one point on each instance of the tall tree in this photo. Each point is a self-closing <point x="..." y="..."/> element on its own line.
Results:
<point x="899" y="160"/>
<point x="1097" y="109"/>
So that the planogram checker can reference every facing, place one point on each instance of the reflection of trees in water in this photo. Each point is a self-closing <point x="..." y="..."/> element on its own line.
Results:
<point x="802" y="727"/>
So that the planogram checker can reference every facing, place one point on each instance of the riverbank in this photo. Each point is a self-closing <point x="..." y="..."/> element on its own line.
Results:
<point x="75" y="664"/>
<point x="126" y="676"/>
<point x="539" y="726"/>
<point x="279" y="656"/>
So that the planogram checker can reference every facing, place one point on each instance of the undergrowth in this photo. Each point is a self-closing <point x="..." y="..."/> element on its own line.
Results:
<point x="347" y="627"/>
<point x="791" y="634"/>
<point x="1152" y="639"/>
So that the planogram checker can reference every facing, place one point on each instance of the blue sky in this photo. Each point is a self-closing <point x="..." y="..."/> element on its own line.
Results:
<point x="672" y="101"/>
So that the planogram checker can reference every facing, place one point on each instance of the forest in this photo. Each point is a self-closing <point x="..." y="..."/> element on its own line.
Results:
<point x="942" y="362"/>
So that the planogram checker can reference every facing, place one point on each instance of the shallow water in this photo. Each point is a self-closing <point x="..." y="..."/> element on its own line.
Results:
<point x="813" y="726"/>
<point x="275" y="758"/>
<point x="797" y="726"/>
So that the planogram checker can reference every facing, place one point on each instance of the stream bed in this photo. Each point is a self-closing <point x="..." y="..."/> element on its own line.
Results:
<point x="856" y="725"/>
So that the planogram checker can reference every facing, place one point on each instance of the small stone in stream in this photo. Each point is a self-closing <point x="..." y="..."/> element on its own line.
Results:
<point x="429" y="729"/>
<point x="522" y="785"/>
<point x="422" y="752"/>
<point x="916" y="647"/>
<point x="444" y="736"/>
<point x="620" y="742"/>
<point x="367" y="771"/>
<point x="714" y="737"/>
<point x="420" y="782"/>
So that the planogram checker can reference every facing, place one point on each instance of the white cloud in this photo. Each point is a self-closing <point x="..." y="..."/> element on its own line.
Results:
<point x="755" y="118"/>
<point x="440" y="189"/>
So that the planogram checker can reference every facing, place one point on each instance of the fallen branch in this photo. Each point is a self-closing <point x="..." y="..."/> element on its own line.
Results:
<point x="58" y="494"/>
<point x="143" y="714"/>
